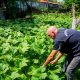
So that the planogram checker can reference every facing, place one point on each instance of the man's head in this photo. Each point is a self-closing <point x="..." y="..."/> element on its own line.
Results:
<point x="52" y="31"/>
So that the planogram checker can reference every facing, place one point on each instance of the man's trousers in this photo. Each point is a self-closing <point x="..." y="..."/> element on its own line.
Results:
<point x="70" y="66"/>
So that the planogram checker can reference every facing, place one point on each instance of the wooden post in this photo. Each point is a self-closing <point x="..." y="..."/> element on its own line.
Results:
<point x="74" y="17"/>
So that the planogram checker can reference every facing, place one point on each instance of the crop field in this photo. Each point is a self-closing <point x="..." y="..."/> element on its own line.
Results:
<point x="24" y="47"/>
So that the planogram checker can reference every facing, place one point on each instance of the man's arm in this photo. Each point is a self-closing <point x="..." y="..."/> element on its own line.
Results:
<point x="57" y="58"/>
<point x="50" y="57"/>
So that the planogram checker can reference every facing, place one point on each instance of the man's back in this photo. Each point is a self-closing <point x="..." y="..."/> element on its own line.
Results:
<point x="68" y="41"/>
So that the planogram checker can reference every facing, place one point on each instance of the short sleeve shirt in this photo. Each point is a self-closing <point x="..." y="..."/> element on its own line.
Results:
<point x="66" y="41"/>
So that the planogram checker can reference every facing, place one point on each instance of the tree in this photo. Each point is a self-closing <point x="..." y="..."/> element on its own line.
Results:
<point x="74" y="4"/>
<point x="68" y="4"/>
<point x="74" y="17"/>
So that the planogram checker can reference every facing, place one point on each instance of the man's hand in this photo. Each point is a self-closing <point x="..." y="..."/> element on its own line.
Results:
<point x="50" y="57"/>
<point x="53" y="62"/>
<point x="57" y="58"/>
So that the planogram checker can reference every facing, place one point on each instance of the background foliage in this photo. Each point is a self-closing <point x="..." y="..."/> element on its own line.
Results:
<point x="20" y="8"/>
<point x="68" y="4"/>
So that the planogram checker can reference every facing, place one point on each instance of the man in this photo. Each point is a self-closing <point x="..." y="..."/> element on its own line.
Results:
<point x="65" y="41"/>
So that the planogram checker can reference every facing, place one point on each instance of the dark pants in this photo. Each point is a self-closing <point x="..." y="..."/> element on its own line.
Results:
<point x="70" y="66"/>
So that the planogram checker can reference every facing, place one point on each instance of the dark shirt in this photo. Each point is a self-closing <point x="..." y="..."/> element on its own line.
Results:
<point x="68" y="41"/>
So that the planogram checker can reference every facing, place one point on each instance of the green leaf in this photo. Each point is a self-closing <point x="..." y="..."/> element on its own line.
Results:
<point x="5" y="68"/>
<point x="43" y="75"/>
<point x="15" y="75"/>
<point x="34" y="78"/>
<point x="23" y="47"/>
<point x="35" y="61"/>
<point x="54" y="76"/>
<point x="23" y="63"/>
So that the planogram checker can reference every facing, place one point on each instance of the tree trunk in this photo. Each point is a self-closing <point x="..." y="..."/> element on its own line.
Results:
<point x="74" y="17"/>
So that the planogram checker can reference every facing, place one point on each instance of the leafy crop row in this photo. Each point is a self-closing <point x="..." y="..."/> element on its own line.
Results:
<point x="24" y="46"/>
